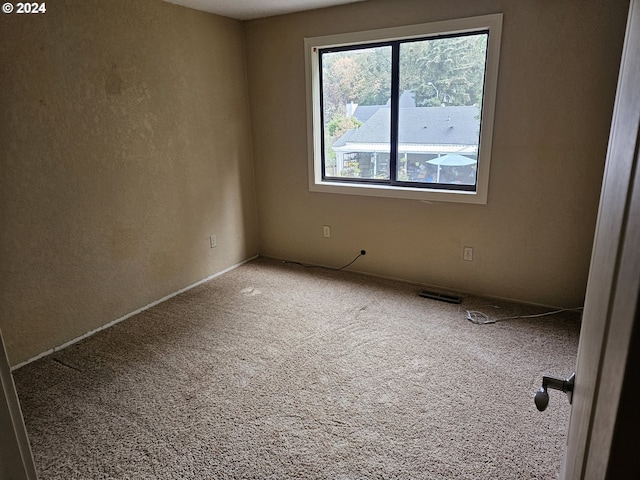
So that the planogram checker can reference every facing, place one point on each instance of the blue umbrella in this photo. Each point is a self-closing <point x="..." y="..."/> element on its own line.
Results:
<point x="451" y="160"/>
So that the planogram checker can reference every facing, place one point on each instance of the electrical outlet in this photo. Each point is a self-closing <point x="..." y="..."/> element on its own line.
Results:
<point x="467" y="254"/>
<point x="213" y="241"/>
<point x="326" y="231"/>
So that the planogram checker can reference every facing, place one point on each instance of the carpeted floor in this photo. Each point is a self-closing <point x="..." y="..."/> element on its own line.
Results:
<point x="275" y="371"/>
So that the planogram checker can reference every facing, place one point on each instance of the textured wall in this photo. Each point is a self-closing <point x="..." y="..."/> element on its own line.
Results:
<point x="125" y="143"/>
<point x="558" y="72"/>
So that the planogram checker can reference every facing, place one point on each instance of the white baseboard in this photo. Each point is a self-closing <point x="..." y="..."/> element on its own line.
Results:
<point x="131" y="314"/>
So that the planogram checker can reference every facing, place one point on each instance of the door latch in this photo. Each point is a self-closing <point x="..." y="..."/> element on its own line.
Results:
<point x="541" y="397"/>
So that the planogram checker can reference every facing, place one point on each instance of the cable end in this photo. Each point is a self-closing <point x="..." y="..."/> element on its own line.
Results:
<point x="363" y="252"/>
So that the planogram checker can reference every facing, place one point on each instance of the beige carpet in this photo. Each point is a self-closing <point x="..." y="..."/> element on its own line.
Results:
<point x="274" y="371"/>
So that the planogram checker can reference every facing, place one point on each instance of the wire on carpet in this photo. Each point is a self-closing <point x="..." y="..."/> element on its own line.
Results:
<point x="481" y="318"/>
<point x="362" y="252"/>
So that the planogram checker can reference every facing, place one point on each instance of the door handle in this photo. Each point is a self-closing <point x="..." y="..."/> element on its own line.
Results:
<point x="541" y="397"/>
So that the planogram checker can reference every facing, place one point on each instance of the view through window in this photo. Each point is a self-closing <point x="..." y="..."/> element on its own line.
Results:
<point x="427" y="133"/>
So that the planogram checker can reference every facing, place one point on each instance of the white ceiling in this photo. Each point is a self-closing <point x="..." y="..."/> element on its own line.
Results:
<point x="250" y="9"/>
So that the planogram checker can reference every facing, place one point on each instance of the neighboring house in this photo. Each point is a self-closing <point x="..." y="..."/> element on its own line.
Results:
<point x="425" y="134"/>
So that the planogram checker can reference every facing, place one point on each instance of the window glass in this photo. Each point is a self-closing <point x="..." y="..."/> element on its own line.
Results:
<point x="441" y="83"/>
<point x="356" y="88"/>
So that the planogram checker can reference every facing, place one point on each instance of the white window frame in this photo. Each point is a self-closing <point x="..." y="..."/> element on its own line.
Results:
<point x="490" y="23"/>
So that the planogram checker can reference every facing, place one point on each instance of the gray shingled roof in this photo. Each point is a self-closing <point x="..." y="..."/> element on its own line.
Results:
<point x="420" y="125"/>
<point x="364" y="112"/>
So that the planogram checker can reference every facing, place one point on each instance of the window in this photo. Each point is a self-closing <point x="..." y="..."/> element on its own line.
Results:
<point x="404" y="112"/>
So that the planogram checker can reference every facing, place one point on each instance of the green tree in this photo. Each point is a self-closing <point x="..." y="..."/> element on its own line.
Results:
<point x="340" y="124"/>
<point x="439" y="71"/>
<point x="360" y="76"/>
<point x="447" y="71"/>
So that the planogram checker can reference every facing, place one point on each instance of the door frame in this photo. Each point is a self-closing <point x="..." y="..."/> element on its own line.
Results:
<point x="16" y="459"/>
<point x="611" y="304"/>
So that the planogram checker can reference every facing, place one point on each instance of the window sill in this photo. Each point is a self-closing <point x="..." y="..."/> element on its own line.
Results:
<point x="386" y="191"/>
